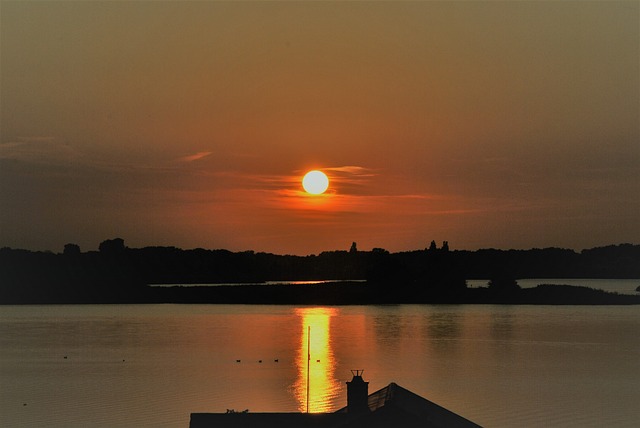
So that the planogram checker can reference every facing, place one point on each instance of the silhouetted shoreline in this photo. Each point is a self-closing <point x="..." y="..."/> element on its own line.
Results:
<point x="118" y="274"/>
<point x="347" y="293"/>
<point x="339" y="293"/>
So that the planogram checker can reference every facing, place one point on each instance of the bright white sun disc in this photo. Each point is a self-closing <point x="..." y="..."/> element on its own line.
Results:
<point x="315" y="182"/>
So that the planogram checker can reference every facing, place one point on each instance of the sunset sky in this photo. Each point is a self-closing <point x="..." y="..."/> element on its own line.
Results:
<point x="505" y="124"/>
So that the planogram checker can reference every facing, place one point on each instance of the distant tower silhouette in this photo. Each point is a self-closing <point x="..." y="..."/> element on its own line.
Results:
<point x="353" y="248"/>
<point x="357" y="393"/>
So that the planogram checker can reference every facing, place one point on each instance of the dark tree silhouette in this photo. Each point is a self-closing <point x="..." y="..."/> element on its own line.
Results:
<point x="71" y="250"/>
<point x="112" y="246"/>
<point x="118" y="274"/>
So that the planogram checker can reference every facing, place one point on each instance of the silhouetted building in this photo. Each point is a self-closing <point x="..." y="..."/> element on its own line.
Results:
<point x="391" y="406"/>
<point x="357" y="393"/>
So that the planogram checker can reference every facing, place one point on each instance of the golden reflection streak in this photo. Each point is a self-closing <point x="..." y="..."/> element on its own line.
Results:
<point x="323" y="386"/>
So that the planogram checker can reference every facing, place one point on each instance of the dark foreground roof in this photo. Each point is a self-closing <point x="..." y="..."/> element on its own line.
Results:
<point x="391" y="406"/>
<point x="394" y="404"/>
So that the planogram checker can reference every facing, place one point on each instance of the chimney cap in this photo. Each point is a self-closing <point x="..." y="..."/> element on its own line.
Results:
<point x="357" y="373"/>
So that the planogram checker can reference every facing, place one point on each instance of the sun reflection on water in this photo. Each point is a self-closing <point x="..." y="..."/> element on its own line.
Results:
<point x="323" y="386"/>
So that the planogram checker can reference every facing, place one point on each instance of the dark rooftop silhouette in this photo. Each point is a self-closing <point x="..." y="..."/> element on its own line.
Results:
<point x="395" y="406"/>
<point x="391" y="406"/>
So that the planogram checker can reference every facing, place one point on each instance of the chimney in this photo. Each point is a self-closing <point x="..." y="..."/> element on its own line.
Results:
<point x="357" y="393"/>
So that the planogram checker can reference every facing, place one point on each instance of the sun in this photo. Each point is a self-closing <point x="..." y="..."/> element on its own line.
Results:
<point x="315" y="182"/>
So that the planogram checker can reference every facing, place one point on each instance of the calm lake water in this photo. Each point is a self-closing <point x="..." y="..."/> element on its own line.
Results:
<point x="152" y="365"/>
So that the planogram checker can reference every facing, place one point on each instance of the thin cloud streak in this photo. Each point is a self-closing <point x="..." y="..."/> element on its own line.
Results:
<point x="195" y="157"/>
<point x="351" y="169"/>
<point x="41" y="150"/>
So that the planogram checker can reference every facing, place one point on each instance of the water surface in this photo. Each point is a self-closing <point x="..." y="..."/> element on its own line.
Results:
<point x="152" y="365"/>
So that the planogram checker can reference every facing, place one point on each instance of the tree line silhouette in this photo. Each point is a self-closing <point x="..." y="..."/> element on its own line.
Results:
<point x="118" y="274"/>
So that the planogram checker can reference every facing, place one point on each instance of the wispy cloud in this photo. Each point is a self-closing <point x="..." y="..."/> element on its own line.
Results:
<point x="194" y="157"/>
<point x="351" y="169"/>
<point x="350" y="177"/>
<point x="39" y="150"/>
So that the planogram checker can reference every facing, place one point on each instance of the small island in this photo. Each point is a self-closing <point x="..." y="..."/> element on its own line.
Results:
<point x="433" y="275"/>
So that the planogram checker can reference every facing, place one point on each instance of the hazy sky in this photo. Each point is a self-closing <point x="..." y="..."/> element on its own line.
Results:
<point x="508" y="124"/>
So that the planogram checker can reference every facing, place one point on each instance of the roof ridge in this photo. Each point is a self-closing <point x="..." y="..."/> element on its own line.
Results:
<point x="391" y="388"/>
